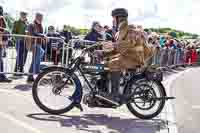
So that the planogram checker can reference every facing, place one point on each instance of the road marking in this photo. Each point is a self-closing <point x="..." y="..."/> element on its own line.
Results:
<point x="19" y="123"/>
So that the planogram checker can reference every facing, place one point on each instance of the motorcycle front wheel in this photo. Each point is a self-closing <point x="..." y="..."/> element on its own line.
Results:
<point x="53" y="89"/>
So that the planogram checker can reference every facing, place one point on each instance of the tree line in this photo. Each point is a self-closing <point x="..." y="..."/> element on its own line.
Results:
<point x="173" y="32"/>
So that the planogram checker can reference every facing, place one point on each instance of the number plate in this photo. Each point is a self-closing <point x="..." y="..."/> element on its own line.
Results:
<point x="93" y="68"/>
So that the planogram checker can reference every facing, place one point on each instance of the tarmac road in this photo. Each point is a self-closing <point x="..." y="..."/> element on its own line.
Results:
<point x="19" y="114"/>
<point x="186" y="88"/>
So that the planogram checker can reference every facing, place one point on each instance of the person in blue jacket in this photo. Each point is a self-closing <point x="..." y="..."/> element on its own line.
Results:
<point x="162" y="41"/>
<point x="66" y="33"/>
<point x="54" y="45"/>
<point x="94" y="34"/>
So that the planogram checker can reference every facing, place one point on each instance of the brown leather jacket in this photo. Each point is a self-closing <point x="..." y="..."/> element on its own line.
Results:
<point x="128" y="54"/>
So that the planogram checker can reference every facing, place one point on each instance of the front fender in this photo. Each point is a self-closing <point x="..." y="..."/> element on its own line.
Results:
<point x="77" y="95"/>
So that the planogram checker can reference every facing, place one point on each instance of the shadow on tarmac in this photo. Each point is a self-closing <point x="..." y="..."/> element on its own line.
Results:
<point x="23" y="87"/>
<point x="119" y="125"/>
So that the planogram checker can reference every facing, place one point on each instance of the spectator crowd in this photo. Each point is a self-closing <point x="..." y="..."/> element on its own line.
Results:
<point x="40" y="44"/>
<point x="49" y="46"/>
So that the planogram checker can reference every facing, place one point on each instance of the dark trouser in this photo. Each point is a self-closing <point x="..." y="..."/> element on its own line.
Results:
<point x="115" y="83"/>
<point x="110" y="81"/>
<point x="2" y="76"/>
<point x="21" y="55"/>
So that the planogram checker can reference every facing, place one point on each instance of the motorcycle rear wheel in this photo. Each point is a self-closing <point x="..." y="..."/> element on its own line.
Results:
<point x="136" y="111"/>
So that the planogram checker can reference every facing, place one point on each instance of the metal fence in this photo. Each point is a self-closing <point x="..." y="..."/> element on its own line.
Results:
<point x="23" y="54"/>
<point x="167" y="58"/>
<point x="28" y="54"/>
<point x="164" y="58"/>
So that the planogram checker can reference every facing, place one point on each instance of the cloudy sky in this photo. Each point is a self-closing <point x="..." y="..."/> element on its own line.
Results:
<point x="179" y="14"/>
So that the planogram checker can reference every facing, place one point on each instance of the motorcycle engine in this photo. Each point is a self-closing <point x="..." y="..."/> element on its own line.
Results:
<point x="98" y="83"/>
<point x="102" y="85"/>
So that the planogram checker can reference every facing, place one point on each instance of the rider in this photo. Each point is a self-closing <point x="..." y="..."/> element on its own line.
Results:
<point x="128" y="52"/>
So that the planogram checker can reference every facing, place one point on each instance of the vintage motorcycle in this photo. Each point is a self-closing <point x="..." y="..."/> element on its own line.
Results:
<point x="145" y="96"/>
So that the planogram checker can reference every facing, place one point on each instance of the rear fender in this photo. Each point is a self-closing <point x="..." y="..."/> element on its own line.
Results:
<point x="133" y="79"/>
<point x="141" y="76"/>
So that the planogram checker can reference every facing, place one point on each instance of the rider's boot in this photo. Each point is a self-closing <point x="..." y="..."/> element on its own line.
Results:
<point x="114" y="95"/>
<point x="115" y="78"/>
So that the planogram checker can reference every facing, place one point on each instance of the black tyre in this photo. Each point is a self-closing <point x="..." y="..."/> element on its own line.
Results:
<point x="143" y="93"/>
<point x="56" y="76"/>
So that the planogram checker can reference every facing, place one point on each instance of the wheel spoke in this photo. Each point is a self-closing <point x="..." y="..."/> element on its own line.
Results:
<point x="144" y="103"/>
<point x="144" y="92"/>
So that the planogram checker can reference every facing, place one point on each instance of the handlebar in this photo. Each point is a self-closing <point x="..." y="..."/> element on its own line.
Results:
<point x="88" y="48"/>
<point x="82" y="41"/>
